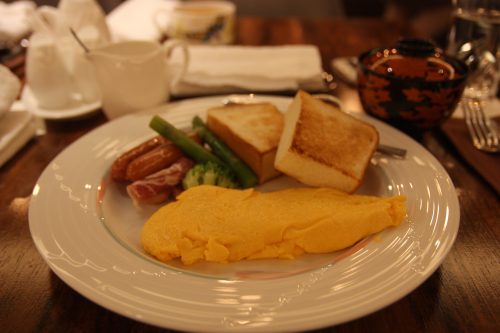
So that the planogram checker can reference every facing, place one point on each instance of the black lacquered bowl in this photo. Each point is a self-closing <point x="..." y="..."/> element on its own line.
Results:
<point x="412" y="86"/>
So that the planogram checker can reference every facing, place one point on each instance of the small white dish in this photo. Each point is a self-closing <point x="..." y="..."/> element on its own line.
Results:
<point x="31" y="105"/>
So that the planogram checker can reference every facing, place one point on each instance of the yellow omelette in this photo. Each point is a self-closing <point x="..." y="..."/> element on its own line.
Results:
<point x="208" y="223"/>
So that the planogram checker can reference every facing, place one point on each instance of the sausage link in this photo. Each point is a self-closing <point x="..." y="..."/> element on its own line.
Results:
<point x="157" y="159"/>
<point x="152" y="161"/>
<point x="119" y="167"/>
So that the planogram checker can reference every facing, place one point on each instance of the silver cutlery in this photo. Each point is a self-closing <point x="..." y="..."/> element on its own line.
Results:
<point x="483" y="131"/>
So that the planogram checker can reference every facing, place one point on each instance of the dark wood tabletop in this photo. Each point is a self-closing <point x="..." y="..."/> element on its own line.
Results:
<point x="463" y="295"/>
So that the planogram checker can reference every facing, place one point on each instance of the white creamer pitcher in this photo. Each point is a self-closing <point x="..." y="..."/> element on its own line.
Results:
<point x="136" y="75"/>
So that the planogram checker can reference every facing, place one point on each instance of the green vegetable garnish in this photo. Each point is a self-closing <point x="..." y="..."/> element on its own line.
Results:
<point x="245" y="175"/>
<point x="209" y="173"/>
<point x="188" y="146"/>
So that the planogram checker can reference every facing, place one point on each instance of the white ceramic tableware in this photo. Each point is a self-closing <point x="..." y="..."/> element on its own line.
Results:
<point x="199" y="22"/>
<point x="135" y="75"/>
<point x="76" y="14"/>
<point x="92" y="241"/>
<point x="31" y="104"/>
<point x="57" y="71"/>
<point x="47" y="74"/>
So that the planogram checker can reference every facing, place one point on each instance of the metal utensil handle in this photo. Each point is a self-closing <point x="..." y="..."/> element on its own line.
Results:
<point x="390" y="150"/>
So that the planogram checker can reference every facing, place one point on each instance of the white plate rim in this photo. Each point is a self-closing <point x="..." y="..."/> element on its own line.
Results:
<point x="107" y="299"/>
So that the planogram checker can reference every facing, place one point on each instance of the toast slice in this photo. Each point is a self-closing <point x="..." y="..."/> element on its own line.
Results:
<point x="252" y="131"/>
<point x="323" y="146"/>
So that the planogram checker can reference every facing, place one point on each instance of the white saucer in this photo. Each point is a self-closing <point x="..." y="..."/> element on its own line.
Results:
<point x="31" y="104"/>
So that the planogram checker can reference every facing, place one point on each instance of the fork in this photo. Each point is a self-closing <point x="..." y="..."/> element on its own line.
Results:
<point x="483" y="131"/>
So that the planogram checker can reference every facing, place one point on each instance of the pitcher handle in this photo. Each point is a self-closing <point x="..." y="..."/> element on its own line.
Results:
<point x="168" y="46"/>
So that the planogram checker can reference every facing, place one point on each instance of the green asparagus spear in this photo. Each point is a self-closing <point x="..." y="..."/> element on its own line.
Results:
<point x="190" y="147"/>
<point x="245" y="175"/>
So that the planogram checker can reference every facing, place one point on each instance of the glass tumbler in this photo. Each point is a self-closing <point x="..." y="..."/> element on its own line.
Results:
<point x="474" y="38"/>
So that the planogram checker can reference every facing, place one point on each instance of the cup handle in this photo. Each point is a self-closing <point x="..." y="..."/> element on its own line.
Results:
<point x="168" y="46"/>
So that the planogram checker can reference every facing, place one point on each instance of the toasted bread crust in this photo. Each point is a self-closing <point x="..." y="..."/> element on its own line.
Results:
<point x="259" y="125"/>
<point x="252" y="132"/>
<point x="323" y="146"/>
<point x="329" y="136"/>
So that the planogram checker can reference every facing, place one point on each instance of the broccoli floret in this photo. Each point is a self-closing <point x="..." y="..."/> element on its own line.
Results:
<point x="209" y="173"/>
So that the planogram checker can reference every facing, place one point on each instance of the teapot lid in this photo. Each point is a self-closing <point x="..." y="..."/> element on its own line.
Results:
<point x="416" y="47"/>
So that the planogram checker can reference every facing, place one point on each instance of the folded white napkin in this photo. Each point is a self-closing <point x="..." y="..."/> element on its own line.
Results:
<point x="10" y="87"/>
<point x="139" y="19"/>
<point x="216" y="69"/>
<point x="14" y="20"/>
<point x="16" y="129"/>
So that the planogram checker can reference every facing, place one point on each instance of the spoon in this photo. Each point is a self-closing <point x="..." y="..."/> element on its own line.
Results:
<point x="79" y="41"/>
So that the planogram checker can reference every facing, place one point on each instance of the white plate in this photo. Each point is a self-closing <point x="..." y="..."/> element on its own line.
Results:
<point x="31" y="103"/>
<point x="87" y="230"/>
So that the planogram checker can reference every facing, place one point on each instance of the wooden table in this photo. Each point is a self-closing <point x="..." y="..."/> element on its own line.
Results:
<point x="461" y="296"/>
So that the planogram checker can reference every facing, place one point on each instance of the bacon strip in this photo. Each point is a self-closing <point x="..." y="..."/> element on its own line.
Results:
<point x="159" y="186"/>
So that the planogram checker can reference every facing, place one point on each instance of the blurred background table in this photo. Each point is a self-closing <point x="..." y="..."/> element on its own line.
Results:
<point x="461" y="296"/>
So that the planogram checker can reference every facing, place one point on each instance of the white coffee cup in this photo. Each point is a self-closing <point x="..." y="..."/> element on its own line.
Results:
<point x="199" y="22"/>
<point x="136" y="75"/>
